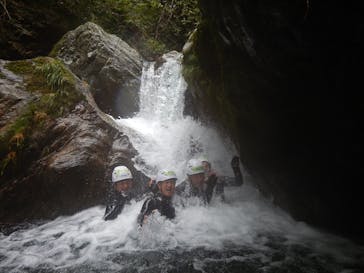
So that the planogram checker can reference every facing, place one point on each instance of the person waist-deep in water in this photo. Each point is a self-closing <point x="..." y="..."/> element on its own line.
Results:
<point x="161" y="201"/>
<point x="122" y="181"/>
<point x="203" y="182"/>
<point x="196" y="185"/>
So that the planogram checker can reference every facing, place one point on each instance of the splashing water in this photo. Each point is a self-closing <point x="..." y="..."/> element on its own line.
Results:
<point x="244" y="234"/>
<point x="164" y="138"/>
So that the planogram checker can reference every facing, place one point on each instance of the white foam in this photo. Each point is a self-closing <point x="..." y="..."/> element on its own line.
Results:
<point x="246" y="221"/>
<point x="166" y="139"/>
<point x="163" y="137"/>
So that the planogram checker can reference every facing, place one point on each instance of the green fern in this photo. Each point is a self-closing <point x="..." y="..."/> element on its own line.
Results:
<point x="56" y="75"/>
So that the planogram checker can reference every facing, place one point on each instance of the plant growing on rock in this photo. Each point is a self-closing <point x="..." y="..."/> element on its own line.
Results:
<point x="56" y="96"/>
<point x="55" y="75"/>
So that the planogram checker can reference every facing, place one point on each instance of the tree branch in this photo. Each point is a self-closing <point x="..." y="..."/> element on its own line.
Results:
<point x="3" y="4"/>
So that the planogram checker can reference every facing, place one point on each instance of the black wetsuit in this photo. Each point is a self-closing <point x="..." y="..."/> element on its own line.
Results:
<point x="238" y="176"/>
<point x="160" y="203"/>
<point x="213" y="185"/>
<point x="116" y="203"/>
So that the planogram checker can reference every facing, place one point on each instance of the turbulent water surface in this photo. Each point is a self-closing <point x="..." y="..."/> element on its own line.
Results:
<point x="244" y="234"/>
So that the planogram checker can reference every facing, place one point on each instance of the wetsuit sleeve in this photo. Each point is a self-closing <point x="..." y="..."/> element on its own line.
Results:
<point x="147" y="208"/>
<point x="170" y="212"/>
<point x="232" y="181"/>
<point x="210" y="185"/>
<point x="114" y="209"/>
<point x="167" y="209"/>
<point x="219" y="189"/>
<point x="180" y="189"/>
<point x="238" y="177"/>
<point x="237" y="173"/>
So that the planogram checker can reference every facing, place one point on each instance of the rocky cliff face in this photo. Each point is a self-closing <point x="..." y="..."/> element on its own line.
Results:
<point x="282" y="82"/>
<point x="57" y="149"/>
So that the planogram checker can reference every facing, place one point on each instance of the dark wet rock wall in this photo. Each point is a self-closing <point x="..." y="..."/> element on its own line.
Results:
<point x="282" y="78"/>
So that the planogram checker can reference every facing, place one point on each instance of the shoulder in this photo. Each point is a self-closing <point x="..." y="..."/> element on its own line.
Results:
<point x="181" y="186"/>
<point x="150" y="203"/>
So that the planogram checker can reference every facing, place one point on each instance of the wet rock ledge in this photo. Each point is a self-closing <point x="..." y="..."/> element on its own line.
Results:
<point x="56" y="146"/>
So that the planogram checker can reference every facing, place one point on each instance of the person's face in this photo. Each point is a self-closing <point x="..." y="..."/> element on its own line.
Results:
<point x="206" y="166"/>
<point x="167" y="187"/>
<point x="197" y="179"/>
<point x="123" y="185"/>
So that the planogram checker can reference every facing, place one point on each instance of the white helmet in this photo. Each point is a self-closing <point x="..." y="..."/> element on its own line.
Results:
<point x="203" y="159"/>
<point x="194" y="166"/>
<point x="121" y="173"/>
<point x="164" y="175"/>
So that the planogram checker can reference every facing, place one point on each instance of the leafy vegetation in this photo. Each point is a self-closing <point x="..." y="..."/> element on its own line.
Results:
<point x="153" y="26"/>
<point x="169" y="22"/>
<point x="57" y="96"/>
<point x="57" y="76"/>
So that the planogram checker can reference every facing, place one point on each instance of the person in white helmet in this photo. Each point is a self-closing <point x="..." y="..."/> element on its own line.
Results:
<point x="218" y="182"/>
<point x="198" y="183"/>
<point x="122" y="182"/>
<point x="162" y="201"/>
<point x="194" y="185"/>
<point x="212" y="181"/>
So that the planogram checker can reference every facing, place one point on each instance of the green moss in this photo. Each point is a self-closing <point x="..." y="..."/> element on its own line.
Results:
<point x="14" y="140"/>
<point x="191" y="68"/>
<point x="58" y="95"/>
<point x="19" y="67"/>
<point x="27" y="69"/>
<point x="57" y="77"/>
<point x="2" y="76"/>
<point x="153" y="48"/>
<point x="44" y="75"/>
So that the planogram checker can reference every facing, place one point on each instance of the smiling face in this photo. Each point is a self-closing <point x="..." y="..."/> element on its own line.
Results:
<point x="167" y="187"/>
<point x="123" y="185"/>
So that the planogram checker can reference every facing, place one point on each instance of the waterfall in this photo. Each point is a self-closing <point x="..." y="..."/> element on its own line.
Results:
<point x="162" y="89"/>
<point x="161" y="134"/>
<point x="246" y="233"/>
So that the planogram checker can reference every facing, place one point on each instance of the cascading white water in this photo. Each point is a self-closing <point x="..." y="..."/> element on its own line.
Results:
<point x="161" y="134"/>
<point x="244" y="234"/>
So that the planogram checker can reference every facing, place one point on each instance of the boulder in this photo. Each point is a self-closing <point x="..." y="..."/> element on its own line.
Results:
<point x="109" y="64"/>
<point x="67" y="161"/>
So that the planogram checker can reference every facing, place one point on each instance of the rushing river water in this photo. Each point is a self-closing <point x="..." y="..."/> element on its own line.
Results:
<point x="244" y="234"/>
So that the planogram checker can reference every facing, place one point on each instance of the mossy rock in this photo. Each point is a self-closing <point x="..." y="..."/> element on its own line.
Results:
<point x="56" y="90"/>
